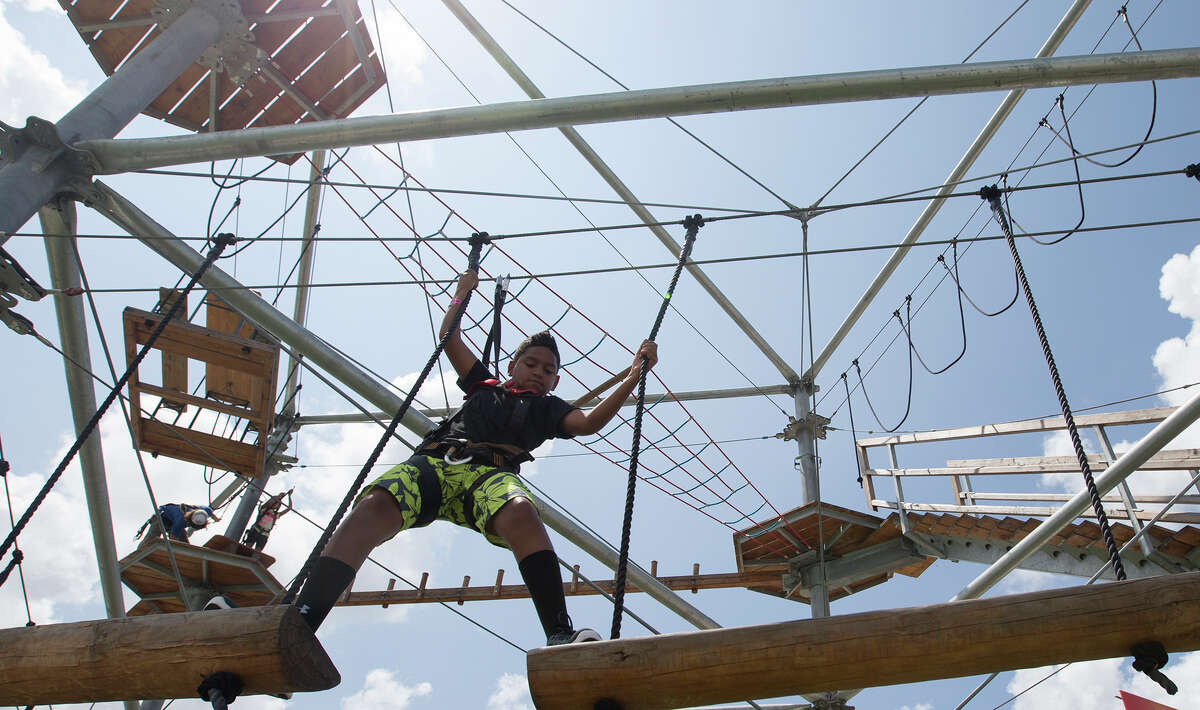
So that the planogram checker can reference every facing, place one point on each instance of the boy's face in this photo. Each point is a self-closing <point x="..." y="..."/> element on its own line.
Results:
<point x="534" y="369"/>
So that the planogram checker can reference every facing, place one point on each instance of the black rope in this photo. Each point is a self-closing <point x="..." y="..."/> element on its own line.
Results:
<point x="1147" y="659"/>
<point x="1078" y="177"/>
<point x="853" y="431"/>
<point x="692" y="224"/>
<point x="477" y="241"/>
<point x="863" y="385"/>
<point x="1193" y="171"/>
<point x="222" y="241"/>
<point x="962" y="321"/>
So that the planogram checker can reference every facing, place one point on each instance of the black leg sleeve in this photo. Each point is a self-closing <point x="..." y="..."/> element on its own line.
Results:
<point x="544" y="580"/>
<point x="325" y="584"/>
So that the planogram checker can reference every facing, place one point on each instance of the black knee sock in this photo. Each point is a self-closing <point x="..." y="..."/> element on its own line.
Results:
<point x="328" y="579"/>
<point x="544" y="580"/>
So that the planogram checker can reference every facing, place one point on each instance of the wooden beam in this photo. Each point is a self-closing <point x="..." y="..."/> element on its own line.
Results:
<point x="1027" y="465"/>
<point x="871" y="649"/>
<point x="161" y="656"/>
<point x="1032" y="510"/>
<point x="1138" y="416"/>
<point x="761" y="577"/>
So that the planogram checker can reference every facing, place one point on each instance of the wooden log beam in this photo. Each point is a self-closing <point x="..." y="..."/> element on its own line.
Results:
<point x="872" y="648"/>
<point x="161" y="656"/>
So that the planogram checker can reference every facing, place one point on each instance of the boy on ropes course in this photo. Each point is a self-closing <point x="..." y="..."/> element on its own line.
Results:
<point x="268" y="513"/>
<point x="464" y="472"/>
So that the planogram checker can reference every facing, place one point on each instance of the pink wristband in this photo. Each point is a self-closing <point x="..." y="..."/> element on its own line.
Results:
<point x="455" y="301"/>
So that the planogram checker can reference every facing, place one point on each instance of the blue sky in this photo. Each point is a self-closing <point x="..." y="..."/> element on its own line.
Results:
<point x="1120" y="307"/>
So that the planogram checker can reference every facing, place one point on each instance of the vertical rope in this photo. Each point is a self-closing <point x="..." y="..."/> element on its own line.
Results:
<point x="222" y="241"/>
<point x="477" y="241"/>
<point x="692" y="224"/>
<point x="992" y="195"/>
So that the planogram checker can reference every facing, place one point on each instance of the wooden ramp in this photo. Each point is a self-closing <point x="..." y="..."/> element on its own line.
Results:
<point x="161" y="656"/>
<point x="872" y="648"/>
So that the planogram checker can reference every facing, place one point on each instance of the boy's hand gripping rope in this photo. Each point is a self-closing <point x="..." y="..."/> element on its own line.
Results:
<point x="222" y="241"/>
<point x="692" y="224"/>
<point x="992" y="195"/>
<point x="477" y="241"/>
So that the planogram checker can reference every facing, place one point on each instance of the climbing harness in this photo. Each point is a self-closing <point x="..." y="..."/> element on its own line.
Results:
<point x="222" y="241"/>
<point x="477" y="241"/>
<point x="692" y="225"/>
<point x="1147" y="663"/>
<point x="493" y="336"/>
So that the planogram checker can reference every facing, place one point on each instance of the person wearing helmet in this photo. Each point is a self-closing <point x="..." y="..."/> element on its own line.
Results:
<point x="179" y="520"/>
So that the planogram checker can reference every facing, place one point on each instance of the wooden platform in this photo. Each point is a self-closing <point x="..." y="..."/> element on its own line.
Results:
<point x="245" y="367"/>
<point x="319" y="49"/>
<point x="206" y="572"/>
<point x="847" y="535"/>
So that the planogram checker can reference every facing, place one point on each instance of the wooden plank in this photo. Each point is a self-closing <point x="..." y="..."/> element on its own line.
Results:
<point x="249" y="356"/>
<point x="1181" y="457"/>
<point x="183" y="398"/>
<point x="1138" y="416"/>
<point x="174" y="366"/>
<point x="225" y="383"/>
<point x="1036" y="511"/>
<point x="753" y="578"/>
<point x="161" y="656"/>
<point x="199" y="447"/>
<point x="870" y="649"/>
<point x="1069" y="464"/>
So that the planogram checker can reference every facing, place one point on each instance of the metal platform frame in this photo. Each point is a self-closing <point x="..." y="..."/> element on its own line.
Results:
<point x="45" y="160"/>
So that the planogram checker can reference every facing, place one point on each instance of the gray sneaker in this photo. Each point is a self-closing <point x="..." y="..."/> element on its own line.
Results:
<point x="561" y="638"/>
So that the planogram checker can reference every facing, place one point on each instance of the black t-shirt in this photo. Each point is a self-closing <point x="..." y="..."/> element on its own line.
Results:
<point x="496" y="415"/>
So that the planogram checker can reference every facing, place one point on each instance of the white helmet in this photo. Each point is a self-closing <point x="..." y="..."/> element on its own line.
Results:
<point x="199" y="518"/>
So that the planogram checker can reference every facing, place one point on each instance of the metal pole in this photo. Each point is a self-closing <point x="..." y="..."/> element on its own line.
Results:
<point x="58" y="224"/>
<point x="129" y="217"/>
<point x="589" y="154"/>
<point x="810" y="488"/>
<point x="37" y="175"/>
<point x="694" y="395"/>
<point x="137" y="154"/>
<point x="931" y="209"/>
<point x="899" y="490"/>
<point x="245" y="508"/>
<point x="1126" y="495"/>
<point x="1149" y="445"/>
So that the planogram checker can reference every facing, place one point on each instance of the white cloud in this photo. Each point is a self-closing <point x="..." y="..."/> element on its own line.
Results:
<point x="511" y="693"/>
<point x="1093" y="685"/>
<point x="381" y="691"/>
<point x="1177" y="360"/>
<point x="403" y="51"/>
<point x="29" y="83"/>
<point x="918" y="706"/>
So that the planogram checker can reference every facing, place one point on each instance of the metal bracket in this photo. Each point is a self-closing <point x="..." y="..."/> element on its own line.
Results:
<point x="15" y="280"/>
<point x="814" y="424"/>
<point x="235" y="51"/>
<point x="17" y="322"/>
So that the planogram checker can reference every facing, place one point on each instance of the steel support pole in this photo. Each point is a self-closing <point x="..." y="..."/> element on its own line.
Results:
<point x="1152" y="443"/>
<point x="58" y="224"/>
<point x="137" y="154"/>
<point x="245" y="508"/>
<point x="38" y="174"/>
<point x="959" y="172"/>
<point x="618" y="186"/>
<point x="810" y="485"/>
<point x="1126" y="495"/>
<point x="129" y="217"/>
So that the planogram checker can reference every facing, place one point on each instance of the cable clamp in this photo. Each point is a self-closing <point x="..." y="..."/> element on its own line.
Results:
<point x="814" y="424"/>
<point x="1192" y="171"/>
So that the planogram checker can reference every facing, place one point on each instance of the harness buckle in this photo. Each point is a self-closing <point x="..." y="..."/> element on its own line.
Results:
<point x="449" y="457"/>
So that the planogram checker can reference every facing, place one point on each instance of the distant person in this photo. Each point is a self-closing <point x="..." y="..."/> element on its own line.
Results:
<point x="465" y="472"/>
<point x="179" y="520"/>
<point x="269" y="512"/>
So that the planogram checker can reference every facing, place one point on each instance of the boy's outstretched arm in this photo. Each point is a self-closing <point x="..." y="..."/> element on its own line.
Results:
<point x="460" y="356"/>
<point x="580" y="423"/>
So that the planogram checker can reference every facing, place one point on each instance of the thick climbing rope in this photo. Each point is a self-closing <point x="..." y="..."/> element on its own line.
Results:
<point x="222" y="241"/>
<point x="478" y="239"/>
<point x="1148" y="658"/>
<point x="692" y="225"/>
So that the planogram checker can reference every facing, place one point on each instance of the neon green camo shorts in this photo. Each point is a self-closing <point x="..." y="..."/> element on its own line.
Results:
<point x="466" y="494"/>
